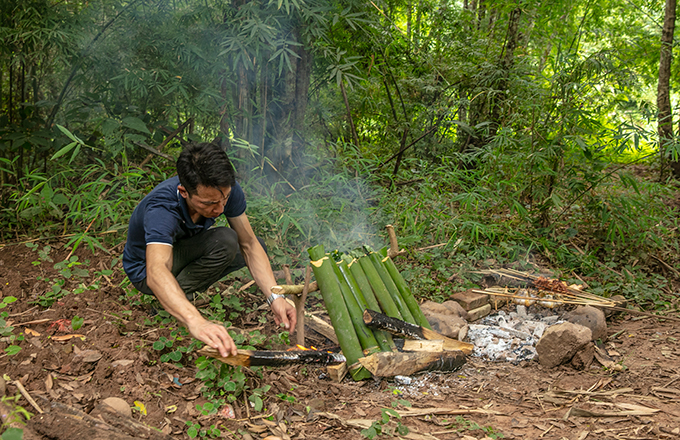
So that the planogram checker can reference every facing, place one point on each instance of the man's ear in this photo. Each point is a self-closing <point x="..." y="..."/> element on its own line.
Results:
<point x="182" y="191"/>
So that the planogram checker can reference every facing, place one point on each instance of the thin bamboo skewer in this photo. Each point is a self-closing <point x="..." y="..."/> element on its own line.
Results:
<point x="582" y="301"/>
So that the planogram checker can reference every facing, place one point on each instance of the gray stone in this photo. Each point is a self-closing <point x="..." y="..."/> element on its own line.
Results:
<point x="447" y="318"/>
<point x="447" y="325"/>
<point x="584" y="357"/>
<point x="590" y="317"/>
<point x="445" y="308"/>
<point x="561" y="342"/>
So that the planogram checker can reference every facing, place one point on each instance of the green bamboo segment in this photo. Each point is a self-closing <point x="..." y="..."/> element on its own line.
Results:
<point x="337" y="310"/>
<point x="381" y="293"/>
<point x="364" y="285"/>
<point x="404" y="290"/>
<point x="384" y="339"/>
<point x="356" y="312"/>
<point x="365" y="288"/>
<point x="391" y="287"/>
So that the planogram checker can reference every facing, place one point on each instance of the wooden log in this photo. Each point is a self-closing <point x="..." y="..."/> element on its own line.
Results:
<point x="337" y="372"/>
<point x="267" y="358"/>
<point x="389" y="364"/>
<point x="418" y="345"/>
<point x="401" y="328"/>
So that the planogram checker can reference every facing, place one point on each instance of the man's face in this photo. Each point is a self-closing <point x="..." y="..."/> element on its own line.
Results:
<point x="208" y="201"/>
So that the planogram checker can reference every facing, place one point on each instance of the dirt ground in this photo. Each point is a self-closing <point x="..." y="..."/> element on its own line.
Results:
<point x="113" y="356"/>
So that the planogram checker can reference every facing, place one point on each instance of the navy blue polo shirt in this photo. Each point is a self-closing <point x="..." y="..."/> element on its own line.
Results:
<point x="163" y="217"/>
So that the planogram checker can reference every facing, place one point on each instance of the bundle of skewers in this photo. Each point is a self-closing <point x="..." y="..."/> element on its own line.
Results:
<point x="542" y="291"/>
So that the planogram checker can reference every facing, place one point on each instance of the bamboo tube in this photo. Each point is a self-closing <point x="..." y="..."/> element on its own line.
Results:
<point x="337" y="310"/>
<point x="404" y="311"/>
<point x="363" y="283"/>
<point x="383" y="296"/>
<point x="404" y="290"/>
<point x="383" y="339"/>
<point x="365" y="334"/>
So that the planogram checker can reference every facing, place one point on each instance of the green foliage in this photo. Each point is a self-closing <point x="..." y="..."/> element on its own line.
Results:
<point x="196" y="430"/>
<point x="383" y="427"/>
<point x="12" y="434"/>
<point x="462" y="424"/>
<point x="76" y="322"/>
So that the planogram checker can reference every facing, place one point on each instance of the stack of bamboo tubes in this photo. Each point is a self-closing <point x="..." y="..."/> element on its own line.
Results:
<point x="351" y="284"/>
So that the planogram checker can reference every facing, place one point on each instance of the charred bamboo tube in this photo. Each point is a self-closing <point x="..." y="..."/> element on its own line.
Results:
<point x="256" y="358"/>
<point x="383" y="296"/>
<point x="404" y="311"/>
<point x="365" y="334"/>
<point x="404" y="291"/>
<point x="411" y="331"/>
<point x="337" y="310"/>
<point x="383" y="339"/>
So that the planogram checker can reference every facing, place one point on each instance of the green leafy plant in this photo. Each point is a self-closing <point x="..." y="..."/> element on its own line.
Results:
<point x="196" y="430"/>
<point x="385" y="426"/>
<point x="76" y="322"/>
<point x="463" y="424"/>
<point x="256" y="396"/>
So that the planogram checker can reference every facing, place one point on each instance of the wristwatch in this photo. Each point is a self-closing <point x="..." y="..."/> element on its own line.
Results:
<point x="273" y="297"/>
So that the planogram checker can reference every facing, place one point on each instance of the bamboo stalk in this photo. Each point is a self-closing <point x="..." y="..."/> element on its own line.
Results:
<point x="383" y="339"/>
<point x="337" y="310"/>
<point x="404" y="311"/>
<point x="368" y="342"/>
<point x="405" y="291"/>
<point x="387" y="304"/>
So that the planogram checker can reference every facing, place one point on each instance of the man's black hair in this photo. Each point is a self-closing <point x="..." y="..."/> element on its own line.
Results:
<point x="204" y="164"/>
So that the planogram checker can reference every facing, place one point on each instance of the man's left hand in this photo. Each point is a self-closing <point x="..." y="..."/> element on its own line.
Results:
<point x="284" y="313"/>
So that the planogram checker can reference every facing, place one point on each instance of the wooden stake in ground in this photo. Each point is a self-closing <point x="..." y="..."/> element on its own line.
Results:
<point x="300" y="308"/>
<point x="398" y="327"/>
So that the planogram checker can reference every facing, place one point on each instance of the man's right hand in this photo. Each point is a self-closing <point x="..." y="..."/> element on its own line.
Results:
<point x="213" y="335"/>
<point x="164" y="285"/>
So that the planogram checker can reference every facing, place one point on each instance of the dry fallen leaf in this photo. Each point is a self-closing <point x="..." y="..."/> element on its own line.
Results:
<point x="31" y="332"/>
<point x="67" y="337"/>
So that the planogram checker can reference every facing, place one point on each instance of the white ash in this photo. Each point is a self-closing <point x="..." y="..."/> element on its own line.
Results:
<point x="510" y="337"/>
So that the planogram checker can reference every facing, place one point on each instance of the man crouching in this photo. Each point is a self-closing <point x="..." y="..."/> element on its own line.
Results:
<point x="172" y="251"/>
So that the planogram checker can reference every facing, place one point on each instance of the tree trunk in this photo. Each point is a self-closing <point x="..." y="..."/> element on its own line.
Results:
<point x="663" y="96"/>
